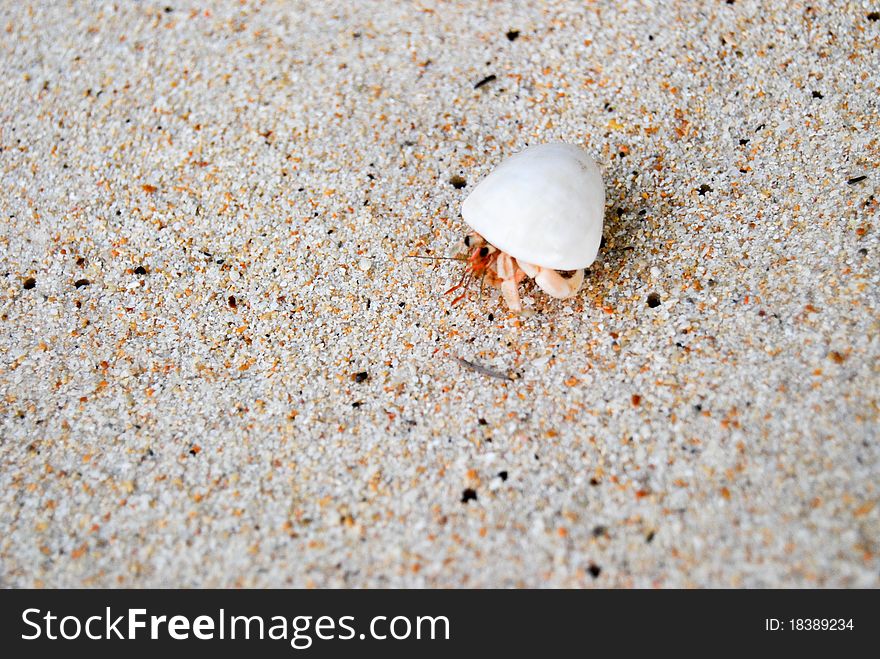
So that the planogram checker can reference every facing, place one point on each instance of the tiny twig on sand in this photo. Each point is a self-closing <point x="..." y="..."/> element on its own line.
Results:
<point x="483" y="370"/>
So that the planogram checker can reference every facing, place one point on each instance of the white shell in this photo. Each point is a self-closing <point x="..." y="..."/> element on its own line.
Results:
<point x="544" y="206"/>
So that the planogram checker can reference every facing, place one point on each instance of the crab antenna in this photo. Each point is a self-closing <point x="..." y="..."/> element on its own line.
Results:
<point x="437" y="258"/>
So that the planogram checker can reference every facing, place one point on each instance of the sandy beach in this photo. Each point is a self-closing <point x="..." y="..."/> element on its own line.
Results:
<point x="219" y="365"/>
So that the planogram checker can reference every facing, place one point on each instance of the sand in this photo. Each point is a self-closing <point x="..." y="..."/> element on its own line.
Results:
<point x="219" y="367"/>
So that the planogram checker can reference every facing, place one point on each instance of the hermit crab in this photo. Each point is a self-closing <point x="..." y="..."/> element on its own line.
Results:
<point x="538" y="214"/>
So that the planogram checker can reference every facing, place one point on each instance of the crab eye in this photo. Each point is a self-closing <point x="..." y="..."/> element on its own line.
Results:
<point x="484" y="252"/>
<point x="467" y="241"/>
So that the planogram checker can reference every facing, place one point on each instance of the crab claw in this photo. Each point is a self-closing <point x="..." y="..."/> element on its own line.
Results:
<point x="510" y="276"/>
<point x="552" y="283"/>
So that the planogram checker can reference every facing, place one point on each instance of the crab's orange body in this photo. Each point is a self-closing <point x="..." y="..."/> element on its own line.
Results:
<point x="488" y="265"/>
